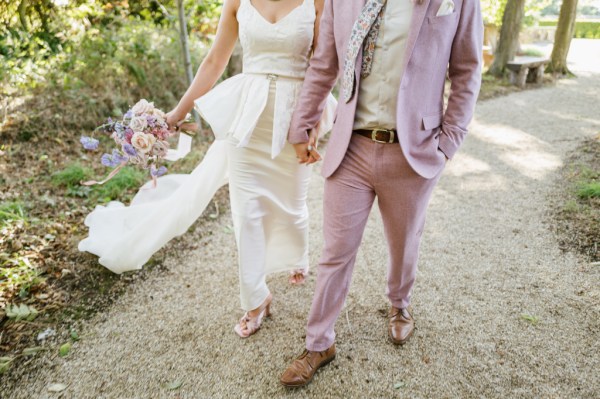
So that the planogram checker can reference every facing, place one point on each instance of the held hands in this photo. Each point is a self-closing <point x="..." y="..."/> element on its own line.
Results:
<point x="307" y="152"/>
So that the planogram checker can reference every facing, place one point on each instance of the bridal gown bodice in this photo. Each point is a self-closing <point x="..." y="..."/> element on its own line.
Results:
<point x="276" y="53"/>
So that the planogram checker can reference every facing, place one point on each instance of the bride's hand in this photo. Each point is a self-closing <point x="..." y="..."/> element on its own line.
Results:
<point x="173" y="118"/>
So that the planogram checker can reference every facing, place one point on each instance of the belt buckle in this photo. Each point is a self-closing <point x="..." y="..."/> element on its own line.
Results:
<point x="374" y="136"/>
<point x="272" y="77"/>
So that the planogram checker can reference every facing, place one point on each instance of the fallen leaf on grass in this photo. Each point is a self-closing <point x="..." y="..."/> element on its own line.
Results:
<point x="173" y="385"/>
<point x="64" y="350"/>
<point x="399" y="385"/>
<point x="57" y="387"/>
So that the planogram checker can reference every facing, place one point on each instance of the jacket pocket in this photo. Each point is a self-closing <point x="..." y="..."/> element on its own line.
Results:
<point x="443" y="19"/>
<point x="432" y="121"/>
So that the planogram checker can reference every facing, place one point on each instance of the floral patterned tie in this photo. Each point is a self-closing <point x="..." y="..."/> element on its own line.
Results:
<point x="366" y="27"/>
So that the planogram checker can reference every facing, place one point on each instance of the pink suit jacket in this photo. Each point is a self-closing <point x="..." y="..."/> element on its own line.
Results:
<point x="435" y="45"/>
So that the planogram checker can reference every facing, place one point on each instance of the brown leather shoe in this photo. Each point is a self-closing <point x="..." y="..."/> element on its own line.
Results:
<point x="401" y="326"/>
<point x="303" y="369"/>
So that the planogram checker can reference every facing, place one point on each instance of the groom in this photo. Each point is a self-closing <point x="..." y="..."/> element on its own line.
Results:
<point x="390" y="141"/>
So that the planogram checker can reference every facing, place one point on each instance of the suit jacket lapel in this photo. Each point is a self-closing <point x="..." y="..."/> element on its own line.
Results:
<point x="416" y="22"/>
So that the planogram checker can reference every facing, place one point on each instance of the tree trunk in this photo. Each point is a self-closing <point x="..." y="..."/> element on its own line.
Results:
<point x="187" y="59"/>
<point x="562" y="39"/>
<point x="183" y="36"/>
<point x="22" y="10"/>
<point x="508" y="44"/>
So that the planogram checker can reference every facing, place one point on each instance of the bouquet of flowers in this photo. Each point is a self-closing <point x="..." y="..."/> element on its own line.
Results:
<point x="141" y="139"/>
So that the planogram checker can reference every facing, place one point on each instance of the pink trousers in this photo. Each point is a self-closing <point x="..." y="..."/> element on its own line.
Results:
<point x="369" y="170"/>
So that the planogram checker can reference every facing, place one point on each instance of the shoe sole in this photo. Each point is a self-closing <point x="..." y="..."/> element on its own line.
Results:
<point x="325" y="363"/>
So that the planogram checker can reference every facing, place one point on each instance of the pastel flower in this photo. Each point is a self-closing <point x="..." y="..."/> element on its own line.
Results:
<point x="143" y="142"/>
<point x="142" y="107"/>
<point x="160" y="148"/>
<point x="139" y="159"/>
<point x="114" y="159"/>
<point x="129" y="150"/>
<point x="151" y="120"/>
<point x="128" y="115"/>
<point x="138" y="124"/>
<point x="157" y="172"/>
<point x="107" y="160"/>
<point x="128" y="136"/>
<point x="119" y="157"/>
<point x="158" y="114"/>
<point x="89" y="143"/>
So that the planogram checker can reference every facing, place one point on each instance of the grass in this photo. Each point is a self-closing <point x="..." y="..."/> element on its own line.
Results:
<point x="18" y="274"/>
<point x="11" y="211"/>
<point x="577" y="198"/>
<point x="70" y="178"/>
<point x="128" y="179"/>
<point x="589" y="190"/>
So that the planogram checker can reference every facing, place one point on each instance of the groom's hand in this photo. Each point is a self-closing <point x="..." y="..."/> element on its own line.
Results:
<point x="307" y="152"/>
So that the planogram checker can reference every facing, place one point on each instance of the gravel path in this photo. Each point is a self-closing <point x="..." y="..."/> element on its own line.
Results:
<point x="487" y="259"/>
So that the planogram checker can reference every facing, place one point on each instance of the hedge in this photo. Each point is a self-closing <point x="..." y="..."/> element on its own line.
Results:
<point x="583" y="29"/>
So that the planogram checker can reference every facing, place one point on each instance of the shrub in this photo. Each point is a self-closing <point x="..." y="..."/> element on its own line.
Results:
<point x="583" y="29"/>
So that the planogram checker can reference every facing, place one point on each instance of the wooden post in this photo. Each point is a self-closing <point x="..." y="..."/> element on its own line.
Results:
<point x="187" y="60"/>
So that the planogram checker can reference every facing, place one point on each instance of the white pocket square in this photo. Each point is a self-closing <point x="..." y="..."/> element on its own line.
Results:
<point x="446" y="8"/>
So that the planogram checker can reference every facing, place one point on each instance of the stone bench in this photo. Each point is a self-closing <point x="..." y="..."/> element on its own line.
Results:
<point x="526" y="69"/>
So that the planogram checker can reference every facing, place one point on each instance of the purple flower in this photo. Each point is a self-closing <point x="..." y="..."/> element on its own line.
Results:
<point x="119" y="157"/>
<point x="129" y="150"/>
<point x="109" y="120"/>
<point x="128" y="114"/>
<point x="89" y="143"/>
<point x="108" y="161"/>
<point x="157" y="172"/>
<point x="151" y="120"/>
<point x="114" y="159"/>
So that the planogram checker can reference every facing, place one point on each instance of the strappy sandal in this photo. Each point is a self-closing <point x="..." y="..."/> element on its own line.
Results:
<point x="248" y="325"/>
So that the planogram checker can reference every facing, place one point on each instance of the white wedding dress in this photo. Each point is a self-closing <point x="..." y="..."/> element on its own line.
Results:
<point x="250" y="115"/>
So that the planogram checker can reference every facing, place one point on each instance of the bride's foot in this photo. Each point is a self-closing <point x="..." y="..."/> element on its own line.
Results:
<point x="298" y="276"/>
<point x="251" y="321"/>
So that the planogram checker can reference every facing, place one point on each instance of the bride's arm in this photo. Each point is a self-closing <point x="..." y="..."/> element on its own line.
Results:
<point x="319" y="4"/>
<point x="214" y="63"/>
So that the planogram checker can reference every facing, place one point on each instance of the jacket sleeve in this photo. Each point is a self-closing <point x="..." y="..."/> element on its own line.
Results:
<point x="465" y="77"/>
<point x="320" y="78"/>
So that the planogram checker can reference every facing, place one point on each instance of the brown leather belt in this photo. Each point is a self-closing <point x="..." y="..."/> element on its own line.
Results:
<point x="379" y="135"/>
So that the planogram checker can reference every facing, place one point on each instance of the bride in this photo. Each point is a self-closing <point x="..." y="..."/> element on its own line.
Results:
<point x="250" y="116"/>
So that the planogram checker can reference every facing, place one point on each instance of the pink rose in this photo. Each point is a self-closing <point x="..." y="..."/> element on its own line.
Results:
<point x="143" y="142"/>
